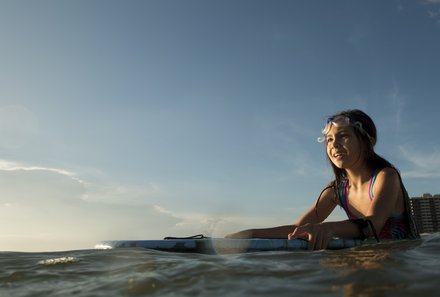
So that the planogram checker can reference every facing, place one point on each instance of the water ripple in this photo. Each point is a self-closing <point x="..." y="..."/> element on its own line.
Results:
<point x="396" y="269"/>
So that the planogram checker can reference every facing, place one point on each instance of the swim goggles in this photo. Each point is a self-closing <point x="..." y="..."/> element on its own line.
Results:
<point x="342" y="121"/>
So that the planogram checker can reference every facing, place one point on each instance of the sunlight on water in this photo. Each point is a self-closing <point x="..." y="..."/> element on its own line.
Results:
<point x="62" y="260"/>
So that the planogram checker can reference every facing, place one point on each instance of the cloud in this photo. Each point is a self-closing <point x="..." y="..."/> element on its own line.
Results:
<point x="433" y="9"/>
<point x="38" y="186"/>
<point x="43" y="208"/>
<point x="434" y="13"/>
<point x="424" y="165"/>
<point x="162" y="210"/>
<point x="6" y="165"/>
<point x="218" y="225"/>
<point x="188" y="223"/>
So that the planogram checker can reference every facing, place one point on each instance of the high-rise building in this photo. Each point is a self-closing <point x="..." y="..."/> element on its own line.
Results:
<point x="426" y="212"/>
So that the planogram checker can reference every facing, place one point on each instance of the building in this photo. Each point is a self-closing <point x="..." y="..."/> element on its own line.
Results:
<point x="426" y="212"/>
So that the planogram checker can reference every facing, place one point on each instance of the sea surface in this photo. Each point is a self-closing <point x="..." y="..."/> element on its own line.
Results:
<point x="408" y="268"/>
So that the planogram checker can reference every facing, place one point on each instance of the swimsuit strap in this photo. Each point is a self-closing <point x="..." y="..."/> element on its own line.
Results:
<point x="343" y="199"/>
<point x="372" y="180"/>
<point x="341" y="194"/>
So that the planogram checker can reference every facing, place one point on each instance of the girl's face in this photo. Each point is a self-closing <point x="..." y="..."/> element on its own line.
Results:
<point x="343" y="147"/>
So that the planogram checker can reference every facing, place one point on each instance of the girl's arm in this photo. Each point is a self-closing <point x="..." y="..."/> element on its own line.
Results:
<point x="274" y="232"/>
<point x="325" y="205"/>
<point x="321" y="209"/>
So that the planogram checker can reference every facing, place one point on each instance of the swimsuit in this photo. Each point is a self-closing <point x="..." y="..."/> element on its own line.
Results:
<point x="396" y="226"/>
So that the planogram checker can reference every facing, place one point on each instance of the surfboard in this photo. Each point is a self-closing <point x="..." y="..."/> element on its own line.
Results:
<point x="223" y="245"/>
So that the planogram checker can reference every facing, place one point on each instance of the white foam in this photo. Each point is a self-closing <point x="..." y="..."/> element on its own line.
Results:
<point x="62" y="260"/>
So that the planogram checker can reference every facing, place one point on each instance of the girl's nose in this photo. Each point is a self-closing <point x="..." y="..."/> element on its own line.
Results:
<point x="336" y="144"/>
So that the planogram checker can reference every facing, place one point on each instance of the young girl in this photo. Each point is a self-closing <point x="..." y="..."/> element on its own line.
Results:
<point x="366" y="186"/>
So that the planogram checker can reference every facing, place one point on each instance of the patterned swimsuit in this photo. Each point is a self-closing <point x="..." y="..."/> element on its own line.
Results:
<point x="396" y="226"/>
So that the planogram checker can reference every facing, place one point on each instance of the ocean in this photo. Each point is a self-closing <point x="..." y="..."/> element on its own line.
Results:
<point x="407" y="268"/>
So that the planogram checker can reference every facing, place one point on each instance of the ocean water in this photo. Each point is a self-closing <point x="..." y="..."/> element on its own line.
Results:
<point x="408" y="268"/>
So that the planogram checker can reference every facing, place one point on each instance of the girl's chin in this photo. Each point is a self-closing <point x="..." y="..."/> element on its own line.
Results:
<point x="339" y="164"/>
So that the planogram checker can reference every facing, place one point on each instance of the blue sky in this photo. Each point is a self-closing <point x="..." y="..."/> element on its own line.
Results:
<point x="144" y="119"/>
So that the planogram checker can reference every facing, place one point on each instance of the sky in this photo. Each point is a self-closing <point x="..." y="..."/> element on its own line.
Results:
<point x="145" y="119"/>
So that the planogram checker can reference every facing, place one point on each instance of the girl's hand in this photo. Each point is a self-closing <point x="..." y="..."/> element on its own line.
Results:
<point x="318" y="235"/>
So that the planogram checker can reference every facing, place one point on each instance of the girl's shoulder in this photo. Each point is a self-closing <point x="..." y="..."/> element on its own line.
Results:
<point x="388" y="172"/>
<point x="389" y="176"/>
<point x="332" y="191"/>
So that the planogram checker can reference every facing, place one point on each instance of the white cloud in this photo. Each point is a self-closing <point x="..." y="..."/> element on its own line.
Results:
<point x="218" y="225"/>
<point x="188" y="223"/>
<point x="38" y="186"/>
<point x="424" y="165"/>
<point x="6" y="165"/>
<point x="43" y="208"/>
<point x="162" y="210"/>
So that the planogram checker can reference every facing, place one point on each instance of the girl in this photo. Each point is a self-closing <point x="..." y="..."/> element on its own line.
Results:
<point x="366" y="186"/>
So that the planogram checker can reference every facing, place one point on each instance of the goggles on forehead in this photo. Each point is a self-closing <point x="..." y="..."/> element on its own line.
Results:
<point x="342" y="121"/>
